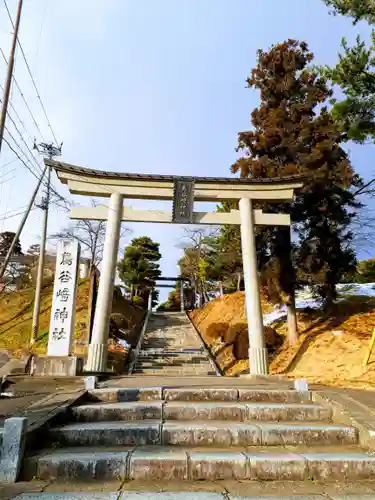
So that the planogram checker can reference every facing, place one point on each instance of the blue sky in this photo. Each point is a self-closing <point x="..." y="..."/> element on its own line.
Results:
<point x="151" y="86"/>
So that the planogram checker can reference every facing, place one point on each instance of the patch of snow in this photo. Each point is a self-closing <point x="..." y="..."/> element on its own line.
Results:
<point x="367" y="289"/>
<point x="305" y="298"/>
<point x="124" y="344"/>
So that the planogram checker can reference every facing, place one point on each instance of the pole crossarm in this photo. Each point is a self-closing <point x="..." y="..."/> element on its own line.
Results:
<point x="129" y="214"/>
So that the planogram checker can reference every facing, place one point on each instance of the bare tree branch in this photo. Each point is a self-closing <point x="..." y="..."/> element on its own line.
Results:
<point x="90" y="234"/>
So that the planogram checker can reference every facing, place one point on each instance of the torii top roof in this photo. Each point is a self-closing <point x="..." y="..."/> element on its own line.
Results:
<point x="90" y="172"/>
<point x="90" y="182"/>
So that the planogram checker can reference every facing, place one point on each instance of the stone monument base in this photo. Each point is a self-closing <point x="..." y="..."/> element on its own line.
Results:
<point x="57" y="366"/>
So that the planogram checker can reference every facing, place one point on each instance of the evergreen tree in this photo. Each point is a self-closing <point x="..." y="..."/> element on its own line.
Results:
<point x="293" y="134"/>
<point x="357" y="9"/>
<point x="354" y="74"/>
<point x="6" y="239"/>
<point x="139" y="269"/>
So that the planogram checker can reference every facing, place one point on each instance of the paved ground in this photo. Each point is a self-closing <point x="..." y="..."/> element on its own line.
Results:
<point x="31" y="390"/>
<point x="223" y="490"/>
<point x="359" y="403"/>
<point x="172" y="355"/>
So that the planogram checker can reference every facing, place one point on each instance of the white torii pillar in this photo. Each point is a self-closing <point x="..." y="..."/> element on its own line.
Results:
<point x="258" y="358"/>
<point x="98" y="348"/>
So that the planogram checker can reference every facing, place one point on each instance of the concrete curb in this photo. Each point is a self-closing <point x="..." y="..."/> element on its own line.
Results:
<point x="347" y="411"/>
<point x="12" y="448"/>
<point x="23" y="431"/>
<point x="218" y="371"/>
<point x="152" y="495"/>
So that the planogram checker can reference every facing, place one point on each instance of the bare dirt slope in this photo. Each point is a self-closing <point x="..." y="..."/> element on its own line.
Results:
<point x="330" y="349"/>
<point x="16" y="310"/>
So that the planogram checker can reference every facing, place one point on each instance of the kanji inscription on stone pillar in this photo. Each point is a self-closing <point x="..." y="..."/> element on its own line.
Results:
<point x="62" y="322"/>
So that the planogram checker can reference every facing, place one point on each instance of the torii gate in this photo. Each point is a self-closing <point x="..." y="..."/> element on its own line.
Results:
<point x="183" y="191"/>
<point x="178" y="279"/>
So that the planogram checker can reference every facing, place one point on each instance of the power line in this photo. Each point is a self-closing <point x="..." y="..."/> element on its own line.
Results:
<point x="53" y="189"/>
<point x="18" y="156"/>
<point x="17" y="214"/>
<point x="23" y="140"/>
<point x="10" y="212"/>
<point x="9" y="162"/>
<point x="4" y="181"/>
<point x="14" y="109"/>
<point x="32" y="77"/>
<point x="28" y="168"/>
<point x="23" y="97"/>
<point x="22" y="151"/>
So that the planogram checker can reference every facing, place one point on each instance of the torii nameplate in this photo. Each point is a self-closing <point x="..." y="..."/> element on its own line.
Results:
<point x="183" y="201"/>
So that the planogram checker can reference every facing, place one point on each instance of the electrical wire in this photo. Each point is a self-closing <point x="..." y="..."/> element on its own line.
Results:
<point x="22" y="207"/>
<point x="31" y="76"/>
<point x="14" y="109"/>
<point x="53" y="189"/>
<point x="23" y="140"/>
<point x="23" y="97"/>
<point x="18" y="156"/>
<point x="17" y="214"/>
<point x="40" y="33"/>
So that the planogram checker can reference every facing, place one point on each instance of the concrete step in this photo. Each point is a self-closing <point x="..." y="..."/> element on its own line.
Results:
<point x="199" y="394"/>
<point x="179" y="367"/>
<point x="171" y="353"/>
<point x="163" y="463"/>
<point x="179" y="410"/>
<point x="99" y="412"/>
<point x="172" y="356"/>
<point x="177" y="362"/>
<point x="147" y="432"/>
<point x="172" y="372"/>
<point x="151" y="495"/>
<point x="171" y="359"/>
<point x="176" y="495"/>
<point x="239" y="412"/>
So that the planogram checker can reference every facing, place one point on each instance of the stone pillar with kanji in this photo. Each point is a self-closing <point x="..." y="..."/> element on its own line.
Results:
<point x="64" y="299"/>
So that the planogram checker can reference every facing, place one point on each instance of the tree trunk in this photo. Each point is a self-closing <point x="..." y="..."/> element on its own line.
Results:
<point x="292" y="320"/>
<point x="93" y="294"/>
<point x="205" y="293"/>
<point x="201" y="296"/>
<point x="194" y="297"/>
<point x="93" y="255"/>
<point x="330" y="298"/>
<point x="239" y="282"/>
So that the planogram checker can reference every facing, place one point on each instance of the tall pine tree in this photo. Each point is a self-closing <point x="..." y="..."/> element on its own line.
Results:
<point x="139" y="269"/>
<point x="293" y="133"/>
<point x="354" y="73"/>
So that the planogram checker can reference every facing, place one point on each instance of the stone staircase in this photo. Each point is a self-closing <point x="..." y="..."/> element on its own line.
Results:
<point x="172" y="347"/>
<point x="199" y="434"/>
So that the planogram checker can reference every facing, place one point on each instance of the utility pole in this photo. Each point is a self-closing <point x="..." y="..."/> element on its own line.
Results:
<point x="9" y="75"/>
<point x="50" y="150"/>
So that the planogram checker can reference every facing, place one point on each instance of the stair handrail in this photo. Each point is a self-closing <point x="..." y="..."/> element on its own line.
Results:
<point x="139" y="343"/>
